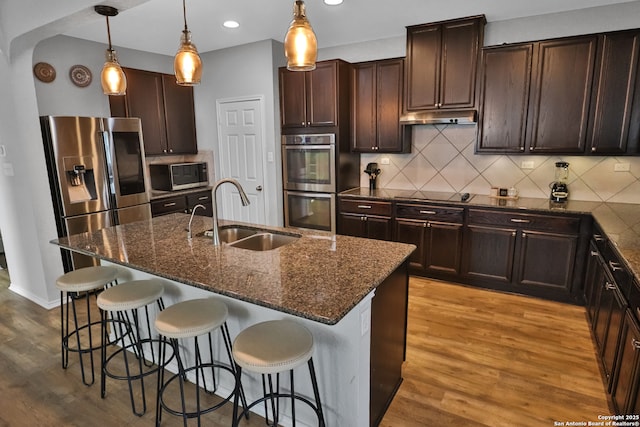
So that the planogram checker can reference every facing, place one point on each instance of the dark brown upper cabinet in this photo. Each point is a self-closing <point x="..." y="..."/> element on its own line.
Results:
<point x="441" y="64"/>
<point x="504" y="98"/>
<point x="318" y="98"/>
<point x="615" y="103"/>
<point x="376" y="107"/>
<point x="165" y="109"/>
<point x="535" y="97"/>
<point x="561" y="94"/>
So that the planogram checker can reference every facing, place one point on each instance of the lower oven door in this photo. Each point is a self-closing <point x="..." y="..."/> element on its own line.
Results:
<point x="310" y="210"/>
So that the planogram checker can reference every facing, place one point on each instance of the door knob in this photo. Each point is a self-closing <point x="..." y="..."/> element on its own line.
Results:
<point x="259" y="188"/>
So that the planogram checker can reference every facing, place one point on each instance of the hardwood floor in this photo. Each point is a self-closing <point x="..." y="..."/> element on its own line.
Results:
<point x="482" y="358"/>
<point x="474" y="358"/>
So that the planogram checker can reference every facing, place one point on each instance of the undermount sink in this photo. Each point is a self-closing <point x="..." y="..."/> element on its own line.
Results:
<point x="231" y="234"/>
<point x="252" y="239"/>
<point x="264" y="241"/>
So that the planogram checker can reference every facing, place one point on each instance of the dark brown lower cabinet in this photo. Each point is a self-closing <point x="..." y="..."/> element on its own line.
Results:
<point x="626" y="381"/>
<point x="437" y="233"/>
<point x="184" y="203"/>
<point x="526" y="253"/>
<point x="365" y="218"/>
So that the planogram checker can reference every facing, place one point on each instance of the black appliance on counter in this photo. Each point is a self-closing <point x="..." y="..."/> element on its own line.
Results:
<point x="96" y="175"/>
<point x="315" y="168"/>
<point x="559" y="187"/>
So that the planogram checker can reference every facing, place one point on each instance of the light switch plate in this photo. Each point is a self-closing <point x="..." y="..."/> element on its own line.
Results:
<point x="621" y="167"/>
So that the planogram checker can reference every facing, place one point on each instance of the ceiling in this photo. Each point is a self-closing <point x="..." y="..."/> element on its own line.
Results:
<point x="155" y="25"/>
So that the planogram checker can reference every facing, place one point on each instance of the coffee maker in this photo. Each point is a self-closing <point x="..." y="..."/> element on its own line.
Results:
<point x="559" y="189"/>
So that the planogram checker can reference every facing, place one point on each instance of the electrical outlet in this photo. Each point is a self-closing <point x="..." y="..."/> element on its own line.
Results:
<point x="384" y="161"/>
<point x="527" y="164"/>
<point x="621" y="167"/>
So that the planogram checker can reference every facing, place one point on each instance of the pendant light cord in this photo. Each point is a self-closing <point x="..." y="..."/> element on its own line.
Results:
<point x="184" y="13"/>
<point x="108" y="32"/>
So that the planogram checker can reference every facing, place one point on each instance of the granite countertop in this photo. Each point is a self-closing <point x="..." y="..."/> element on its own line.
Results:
<point x="619" y="221"/>
<point x="320" y="276"/>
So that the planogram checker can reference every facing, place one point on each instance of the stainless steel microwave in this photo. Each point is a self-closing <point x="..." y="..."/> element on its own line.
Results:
<point x="178" y="176"/>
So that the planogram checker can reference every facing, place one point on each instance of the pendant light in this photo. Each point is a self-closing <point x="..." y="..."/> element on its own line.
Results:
<point x="187" y="65"/>
<point x="300" y="44"/>
<point x="113" y="80"/>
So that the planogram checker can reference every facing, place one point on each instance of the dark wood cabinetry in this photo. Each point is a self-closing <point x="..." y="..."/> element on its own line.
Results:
<point x="437" y="233"/>
<point x="317" y="98"/>
<point x="625" y="393"/>
<point x="560" y="94"/>
<point x="441" y="64"/>
<point x="514" y="252"/>
<point x="376" y="106"/>
<point x="165" y="109"/>
<point x="536" y="96"/>
<point x="504" y="92"/>
<point x="614" y="128"/>
<point x="365" y="218"/>
<point x="184" y="203"/>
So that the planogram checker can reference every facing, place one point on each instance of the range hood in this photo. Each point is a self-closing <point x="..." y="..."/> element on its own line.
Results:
<point x="461" y="117"/>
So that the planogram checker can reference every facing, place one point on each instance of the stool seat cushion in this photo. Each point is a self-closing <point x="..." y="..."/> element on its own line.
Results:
<point x="87" y="278"/>
<point x="273" y="346"/>
<point x="130" y="295"/>
<point x="191" y="318"/>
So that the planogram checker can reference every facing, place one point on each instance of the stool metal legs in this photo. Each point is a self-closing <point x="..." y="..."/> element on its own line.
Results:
<point x="127" y="331"/>
<point x="66" y="334"/>
<point x="274" y="396"/>
<point x="200" y="379"/>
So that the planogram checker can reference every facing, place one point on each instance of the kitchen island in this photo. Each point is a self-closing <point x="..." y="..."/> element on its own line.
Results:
<point x="350" y="292"/>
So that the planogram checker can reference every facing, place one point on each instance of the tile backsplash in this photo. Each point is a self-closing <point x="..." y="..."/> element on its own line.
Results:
<point x="442" y="159"/>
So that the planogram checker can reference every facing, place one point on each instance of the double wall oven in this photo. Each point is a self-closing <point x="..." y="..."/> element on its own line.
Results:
<point x="310" y="181"/>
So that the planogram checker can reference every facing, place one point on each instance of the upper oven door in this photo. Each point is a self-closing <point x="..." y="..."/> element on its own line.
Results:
<point x="309" y="167"/>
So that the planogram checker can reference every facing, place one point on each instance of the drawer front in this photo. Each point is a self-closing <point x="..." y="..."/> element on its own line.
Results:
<point x="169" y="205"/>
<point x="560" y="224"/>
<point x="429" y="212"/>
<point x="201" y="198"/>
<point x="366" y="207"/>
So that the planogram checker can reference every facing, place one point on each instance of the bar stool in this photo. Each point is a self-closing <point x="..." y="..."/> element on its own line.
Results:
<point x="273" y="347"/>
<point x="119" y="306"/>
<point x="192" y="319"/>
<point x="77" y="285"/>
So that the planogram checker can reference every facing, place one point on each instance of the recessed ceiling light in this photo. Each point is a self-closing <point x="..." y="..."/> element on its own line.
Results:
<point x="231" y="24"/>
<point x="333" y="2"/>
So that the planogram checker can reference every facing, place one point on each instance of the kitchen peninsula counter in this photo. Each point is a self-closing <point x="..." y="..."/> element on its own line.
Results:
<point x="351" y="293"/>
<point x="320" y="276"/>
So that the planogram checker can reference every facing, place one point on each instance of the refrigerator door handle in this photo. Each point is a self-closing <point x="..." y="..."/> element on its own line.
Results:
<point x="105" y="137"/>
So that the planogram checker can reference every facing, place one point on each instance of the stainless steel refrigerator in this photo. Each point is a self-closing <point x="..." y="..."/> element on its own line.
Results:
<point x="96" y="174"/>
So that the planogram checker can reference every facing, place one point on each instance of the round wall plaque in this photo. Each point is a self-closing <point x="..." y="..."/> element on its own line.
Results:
<point x="80" y="75"/>
<point x="44" y="72"/>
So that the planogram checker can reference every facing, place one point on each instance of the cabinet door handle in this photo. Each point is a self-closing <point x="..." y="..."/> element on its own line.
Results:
<point x="610" y="286"/>
<point x="615" y="266"/>
<point x="523" y="221"/>
<point x="364" y="207"/>
<point x="364" y="218"/>
<point x="598" y="237"/>
<point x="429" y="224"/>
<point x="635" y="343"/>
<point x="638" y="311"/>
<point x="513" y="234"/>
<point x="203" y="198"/>
<point x="168" y="205"/>
<point x="428" y="212"/>
<point x="594" y="253"/>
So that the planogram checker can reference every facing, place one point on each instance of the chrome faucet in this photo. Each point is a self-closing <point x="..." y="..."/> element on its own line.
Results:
<point x="243" y="199"/>
<point x="193" y="212"/>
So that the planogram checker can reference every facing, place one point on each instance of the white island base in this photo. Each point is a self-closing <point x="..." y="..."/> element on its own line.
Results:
<point x="341" y="357"/>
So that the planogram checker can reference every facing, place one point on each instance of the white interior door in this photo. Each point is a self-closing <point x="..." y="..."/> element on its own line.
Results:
<point x="241" y="156"/>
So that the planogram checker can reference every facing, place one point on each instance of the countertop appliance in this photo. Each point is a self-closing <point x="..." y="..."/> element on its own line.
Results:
<point x="96" y="175"/>
<point x="178" y="176"/>
<point x="559" y="187"/>
<point x="373" y="171"/>
<point x="315" y="167"/>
